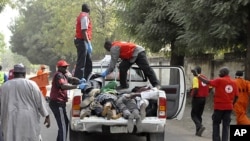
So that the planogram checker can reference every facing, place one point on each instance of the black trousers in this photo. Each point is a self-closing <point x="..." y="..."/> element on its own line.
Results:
<point x="59" y="111"/>
<point x="143" y="64"/>
<point x="223" y="116"/>
<point x="198" y="104"/>
<point x="84" y="62"/>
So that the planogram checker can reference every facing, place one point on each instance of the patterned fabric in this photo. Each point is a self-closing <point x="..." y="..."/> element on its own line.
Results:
<point x="103" y="97"/>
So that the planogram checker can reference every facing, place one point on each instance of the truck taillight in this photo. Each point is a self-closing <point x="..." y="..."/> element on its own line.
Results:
<point x="162" y="108"/>
<point x="76" y="106"/>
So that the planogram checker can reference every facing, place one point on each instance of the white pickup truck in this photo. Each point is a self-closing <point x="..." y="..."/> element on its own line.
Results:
<point x="170" y="105"/>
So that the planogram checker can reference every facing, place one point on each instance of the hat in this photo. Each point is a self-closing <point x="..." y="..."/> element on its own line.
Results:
<point x="19" y="68"/>
<point x="62" y="63"/>
<point x="239" y="73"/>
<point x="197" y="69"/>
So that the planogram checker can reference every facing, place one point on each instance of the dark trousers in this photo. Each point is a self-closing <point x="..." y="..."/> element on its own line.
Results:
<point x="223" y="116"/>
<point x="198" y="104"/>
<point x="84" y="62"/>
<point x="59" y="111"/>
<point x="143" y="64"/>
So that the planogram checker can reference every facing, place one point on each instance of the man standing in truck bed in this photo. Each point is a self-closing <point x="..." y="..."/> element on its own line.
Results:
<point x="83" y="43"/>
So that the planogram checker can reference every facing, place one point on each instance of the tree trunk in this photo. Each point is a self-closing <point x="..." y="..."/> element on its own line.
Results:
<point x="247" y="61"/>
<point x="177" y="59"/>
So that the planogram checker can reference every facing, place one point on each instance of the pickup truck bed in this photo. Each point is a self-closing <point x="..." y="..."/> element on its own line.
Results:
<point x="170" y="105"/>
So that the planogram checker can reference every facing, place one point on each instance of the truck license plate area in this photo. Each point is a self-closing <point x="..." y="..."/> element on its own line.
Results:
<point x="118" y="129"/>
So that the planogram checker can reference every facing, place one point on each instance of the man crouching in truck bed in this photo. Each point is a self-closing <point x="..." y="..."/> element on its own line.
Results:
<point x="130" y="53"/>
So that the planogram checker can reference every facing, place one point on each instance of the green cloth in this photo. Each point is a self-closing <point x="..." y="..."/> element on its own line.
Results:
<point x="109" y="88"/>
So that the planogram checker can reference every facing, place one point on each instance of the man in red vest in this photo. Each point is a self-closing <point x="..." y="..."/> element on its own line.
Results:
<point x="129" y="53"/>
<point x="83" y="45"/>
<point x="199" y="93"/>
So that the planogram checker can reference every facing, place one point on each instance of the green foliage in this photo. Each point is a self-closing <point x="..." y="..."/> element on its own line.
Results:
<point x="220" y="23"/>
<point x="2" y="43"/>
<point x="9" y="59"/>
<point x="3" y="4"/>
<point x="150" y="24"/>
<point x="45" y="30"/>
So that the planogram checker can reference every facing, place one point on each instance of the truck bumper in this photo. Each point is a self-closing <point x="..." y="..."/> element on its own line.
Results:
<point x="98" y="124"/>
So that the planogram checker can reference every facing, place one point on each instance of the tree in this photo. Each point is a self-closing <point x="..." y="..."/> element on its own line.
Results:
<point x="3" y="3"/>
<point x="28" y="37"/>
<point x="2" y="43"/>
<point x="214" y="25"/>
<point x="45" y="29"/>
<point x="148" y="21"/>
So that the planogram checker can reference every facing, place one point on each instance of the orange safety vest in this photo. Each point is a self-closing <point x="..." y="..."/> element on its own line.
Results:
<point x="126" y="49"/>
<point x="78" y="26"/>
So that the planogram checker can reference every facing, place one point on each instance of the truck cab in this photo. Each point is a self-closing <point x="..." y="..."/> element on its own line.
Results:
<point x="170" y="104"/>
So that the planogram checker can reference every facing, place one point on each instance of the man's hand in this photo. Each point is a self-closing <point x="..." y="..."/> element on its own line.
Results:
<point x="104" y="74"/>
<point x="83" y="80"/>
<point x="88" y="46"/>
<point x="47" y="121"/>
<point x="81" y="86"/>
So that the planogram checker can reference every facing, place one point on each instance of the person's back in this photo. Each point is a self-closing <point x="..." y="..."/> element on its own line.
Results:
<point x="21" y="107"/>
<point x="225" y="92"/>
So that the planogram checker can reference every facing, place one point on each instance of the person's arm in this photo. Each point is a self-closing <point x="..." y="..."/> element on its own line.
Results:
<point x="73" y="80"/>
<point x="62" y="82"/>
<point x="5" y="77"/>
<point x="204" y="80"/>
<point x="85" y="35"/>
<point x="115" y="53"/>
<point x="84" y="27"/>
<point x="68" y="86"/>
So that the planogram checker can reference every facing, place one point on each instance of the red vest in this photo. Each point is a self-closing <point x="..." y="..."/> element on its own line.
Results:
<point x="203" y="88"/>
<point x="78" y="26"/>
<point x="126" y="49"/>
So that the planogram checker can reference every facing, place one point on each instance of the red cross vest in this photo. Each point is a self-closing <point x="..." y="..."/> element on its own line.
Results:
<point x="78" y="26"/>
<point x="126" y="49"/>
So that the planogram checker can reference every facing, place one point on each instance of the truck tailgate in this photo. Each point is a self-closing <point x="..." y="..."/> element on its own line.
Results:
<point x="99" y="124"/>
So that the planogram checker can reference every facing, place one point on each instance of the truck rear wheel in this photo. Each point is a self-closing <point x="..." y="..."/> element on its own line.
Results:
<point x="155" y="137"/>
<point x="76" y="135"/>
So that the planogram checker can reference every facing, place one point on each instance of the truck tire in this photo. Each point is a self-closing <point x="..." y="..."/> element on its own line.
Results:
<point x="155" y="137"/>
